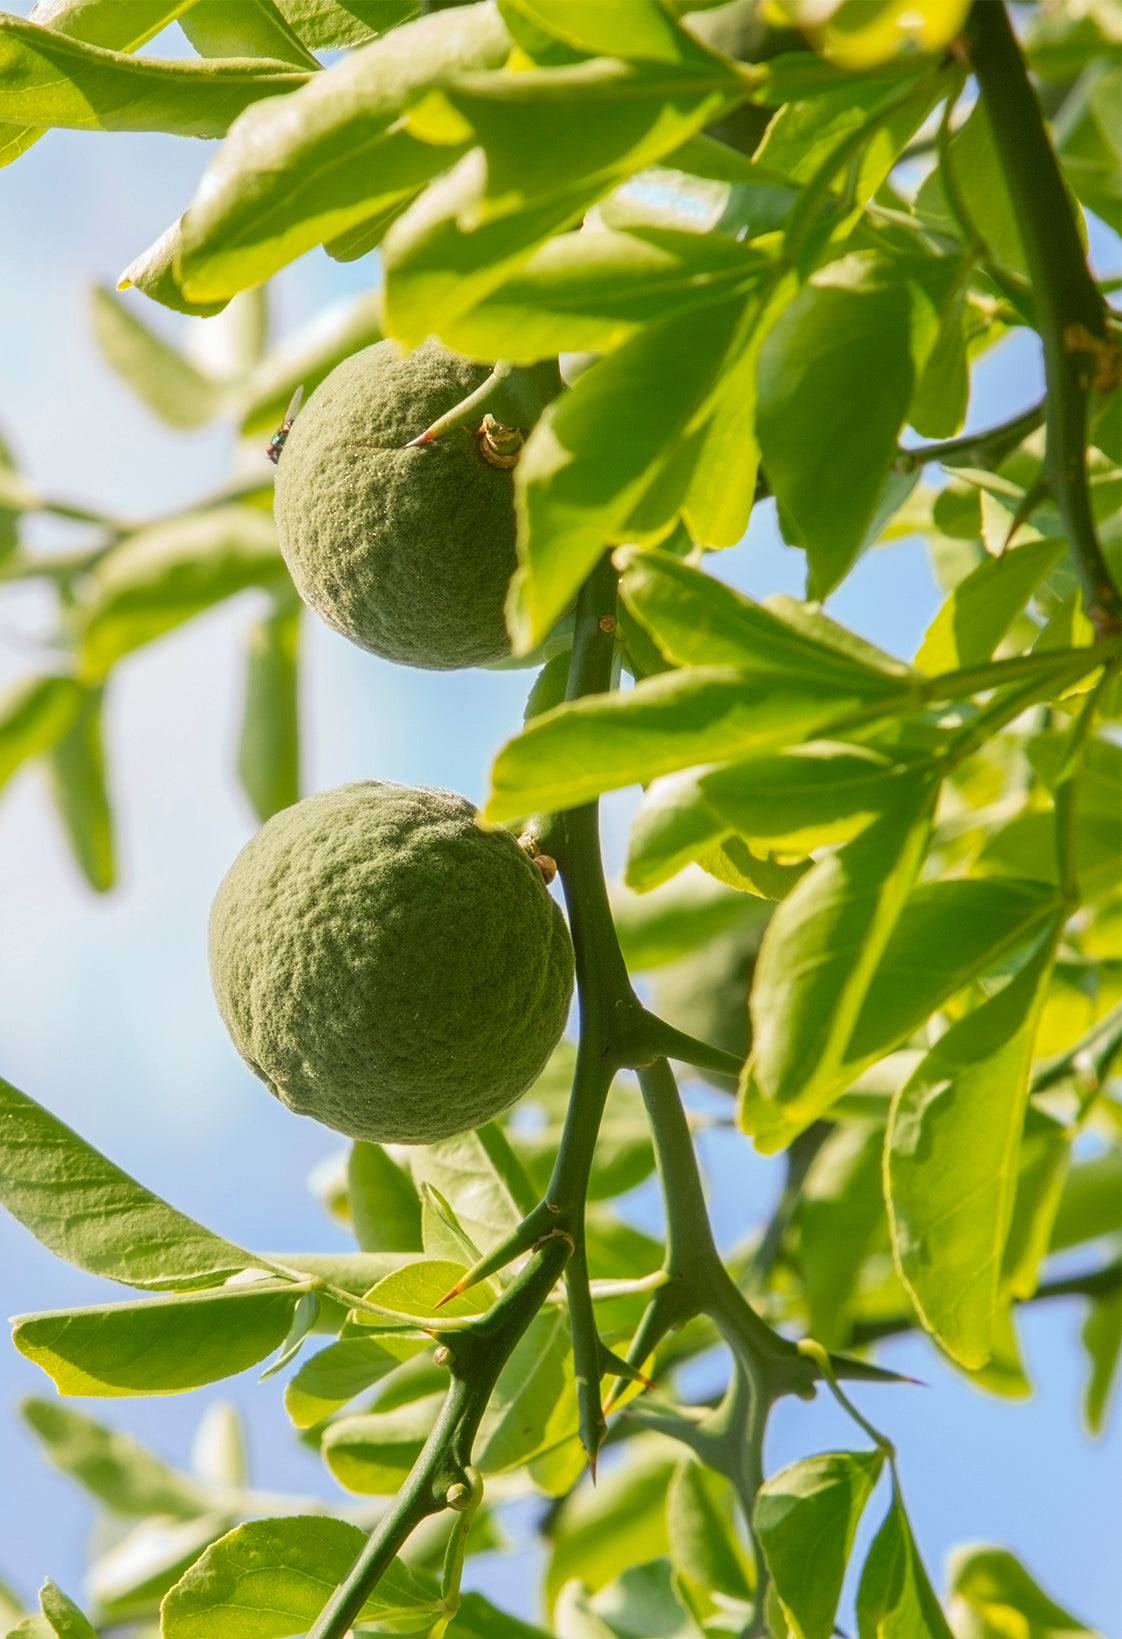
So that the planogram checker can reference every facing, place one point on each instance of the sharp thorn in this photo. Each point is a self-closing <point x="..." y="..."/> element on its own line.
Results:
<point x="452" y="1292"/>
<point x="423" y="438"/>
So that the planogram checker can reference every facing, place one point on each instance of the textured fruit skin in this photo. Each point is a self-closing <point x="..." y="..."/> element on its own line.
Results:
<point x="406" y="552"/>
<point x="388" y="967"/>
<point x="706" y="994"/>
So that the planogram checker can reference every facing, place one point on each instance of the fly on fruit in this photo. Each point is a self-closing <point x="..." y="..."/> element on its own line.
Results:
<point x="276" y="444"/>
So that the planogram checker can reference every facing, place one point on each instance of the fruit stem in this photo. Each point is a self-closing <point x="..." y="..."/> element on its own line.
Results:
<point x="513" y="394"/>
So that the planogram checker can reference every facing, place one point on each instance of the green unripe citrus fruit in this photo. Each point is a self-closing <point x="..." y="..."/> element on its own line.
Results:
<point x="388" y="967"/>
<point x="408" y="552"/>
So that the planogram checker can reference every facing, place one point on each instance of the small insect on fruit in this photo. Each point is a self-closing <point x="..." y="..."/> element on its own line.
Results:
<point x="276" y="444"/>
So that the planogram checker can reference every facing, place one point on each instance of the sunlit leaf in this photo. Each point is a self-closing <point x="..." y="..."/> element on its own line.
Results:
<point x="111" y="1465"/>
<point x="816" y="1504"/>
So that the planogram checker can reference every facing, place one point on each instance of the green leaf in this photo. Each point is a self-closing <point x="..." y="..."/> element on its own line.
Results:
<point x="835" y="381"/>
<point x="981" y="608"/>
<point x="385" y="1209"/>
<point x="272" y="1577"/>
<point x="153" y="272"/>
<point x="1089" y="1204"/>
<point x="318" y="165"/>
<point x="269" y="742"/>
<point x="895" y="1599"/>
<point x="599" y="1532"/>
<point x="1041" y="1170"/>
<point x="951" y="1161"/>
<point x="838" y="1220"/>
<point x="335" y="1375"/>
<point x="706" y="714"/>
<point x="587" y="463"/>
<point x="243" y="28"/>
<point x="49" y="80"/>
<point x="110" y="1465"/>
<point x="980" y="180"/>
<point x="704" y="1545"/>
<point x="162" y="1346"/>
<point x="77" y="771"/>
<point x="673" y="827"/>
<point x="86" y="1210"/>
<point x="63" y="1614"/>
<point x="1102" y="1339"/>
<point x="553" y="141"/>
<point x="120" y="27"/>
<point x="637" y="30"/>
<point x="34" y="715"/>
<point x="374" y="1453"/>
<point x="329" y="24"/>
<point x="992" y="1584"/>
<point x="416" y="1290"/>
<point x="950" y="933"/>
<point x="697" y="620"/>
<point x="534" y="1406"/>
<point x="477" y="1618"/>
<point x="171" y="386"/>
<point x="806" y="1517"/>
<point x="132" y="1577"/>
<point x="677" y="918"/>
<point x="165" y="574"/>
<point x="816" y="963"/>
<point x="482" y="1179"/>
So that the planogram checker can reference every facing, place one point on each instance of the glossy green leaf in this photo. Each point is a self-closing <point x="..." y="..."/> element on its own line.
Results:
<point x="593" y="289"/>
<point x="980" y="180"/>
<point x="806" y="1517"/>
<point x="477" y="1618"/>
<point x="590" y="458"/>
<point x="169" y="384"/>
<point x="317" y="165"/>
<point x="838" y="1220"/>
<point x="950" y="933"/>
<point x="639" y="30"/>
<point x="895" y="1599"/>
<point x="417" y="1289"/>
<point x="701" y="1525"/>
<point x="678" y="918"/>
<point x="706" y="714"/>
<point x="244" y="28"/>
<point x="981" y="608"/>
<point x="553" y="141"/>
<point x="328" y="1379"/>
<point x="374" y="1453"/>
<point x="86" y="1210"/>
<point x="481" y="1178"/>
<point x="835" y="381"/>
<point x="951" y="1162"/>
<point x="272" y="1577"/>
<point x="119" y="27"/>
<point x="269" y="741"/>
<point x="110" y="1465"/>
<point x="385" y="1209"/>
<point x="50" y="80"/>
<point x="78" y="784"/>
<point x="697" y="620"/>
<point x="171" y="571"/>
<point x="599" y="1532"/>
<point x="1102" y="1340"/>
<point x="816" y="963"/>
<point x="534" y="1406"/>
<point x="34" y="715"/>
<point x="673" y="827"/>
<point x="162" y="1346"/>
<point x="993" y="1585"/>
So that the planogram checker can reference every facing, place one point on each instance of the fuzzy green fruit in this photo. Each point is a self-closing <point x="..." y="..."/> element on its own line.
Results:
<point x="408" y="552"/>
<point x="388" y="967"/>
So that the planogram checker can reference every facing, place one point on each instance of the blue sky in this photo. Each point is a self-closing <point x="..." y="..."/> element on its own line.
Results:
<point x="105" y="1008"/>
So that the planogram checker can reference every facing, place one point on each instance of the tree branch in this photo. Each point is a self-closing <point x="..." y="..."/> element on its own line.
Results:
<point x="1071" y="312"/>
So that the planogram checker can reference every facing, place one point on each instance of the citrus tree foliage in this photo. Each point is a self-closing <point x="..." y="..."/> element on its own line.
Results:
<point x="889" y="888"/>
